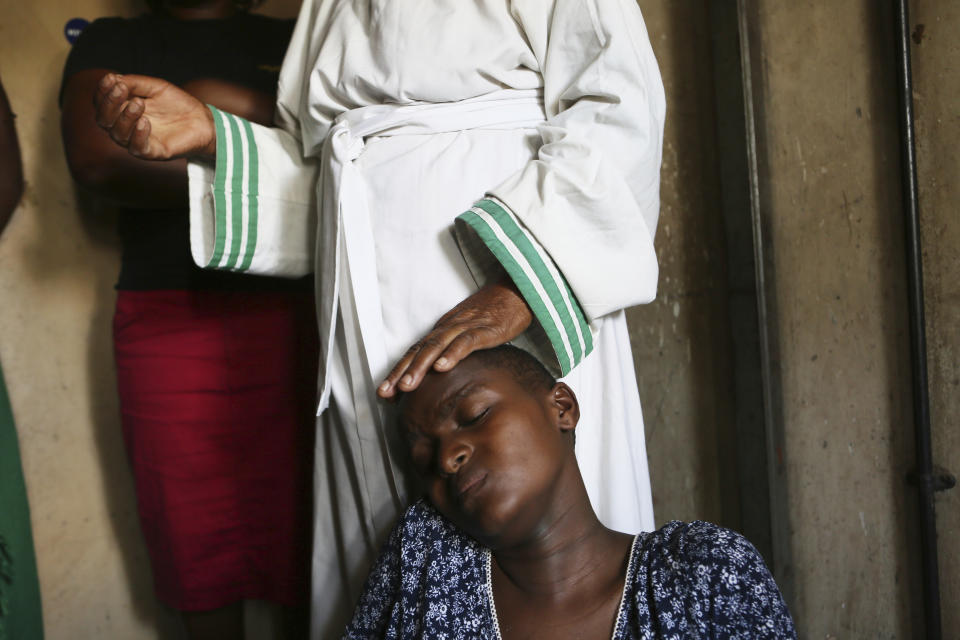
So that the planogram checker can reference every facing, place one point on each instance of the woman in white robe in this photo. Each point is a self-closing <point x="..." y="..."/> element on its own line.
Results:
<point x="430" y="156"/>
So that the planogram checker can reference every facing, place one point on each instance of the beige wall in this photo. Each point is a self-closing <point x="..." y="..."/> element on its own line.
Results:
<point x="57" y="269"/>
<point x="56" y="272"/>
<point x="832" y="196"/>
<point x="831" y="203"/>
<point x="830" y="180"/>
<point x="681" y="340"/>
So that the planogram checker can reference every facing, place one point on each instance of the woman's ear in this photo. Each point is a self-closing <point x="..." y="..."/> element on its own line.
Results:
<point x="565" y="405"/>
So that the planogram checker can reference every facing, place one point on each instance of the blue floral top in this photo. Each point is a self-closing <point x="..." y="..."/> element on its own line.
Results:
<point x="692" y="580"/>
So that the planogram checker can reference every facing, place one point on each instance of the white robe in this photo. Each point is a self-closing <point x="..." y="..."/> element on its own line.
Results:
<point x="541" y="122"/>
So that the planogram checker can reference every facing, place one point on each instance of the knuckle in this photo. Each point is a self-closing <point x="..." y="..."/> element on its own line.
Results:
<point x="432" y="341"/>
<point x="467" y="338"/>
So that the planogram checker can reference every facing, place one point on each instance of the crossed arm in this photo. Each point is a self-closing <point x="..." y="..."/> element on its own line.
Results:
<point x="156" y="121"/>
<point x="96" y="154"/>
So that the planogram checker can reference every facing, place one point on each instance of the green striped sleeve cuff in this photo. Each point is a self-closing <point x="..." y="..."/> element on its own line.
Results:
<point x="235" y="193"/>
<point x="537" y="277"/>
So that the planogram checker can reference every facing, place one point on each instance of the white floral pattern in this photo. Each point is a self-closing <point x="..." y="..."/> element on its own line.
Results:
<point x="693" y="580"/>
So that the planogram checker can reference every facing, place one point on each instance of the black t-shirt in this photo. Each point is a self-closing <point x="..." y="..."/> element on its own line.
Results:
<point x="246" y="49"/>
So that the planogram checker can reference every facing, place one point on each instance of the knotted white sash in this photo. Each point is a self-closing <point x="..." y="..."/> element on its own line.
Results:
<point x="347" y="265"/>
<point x="346" y="257"/>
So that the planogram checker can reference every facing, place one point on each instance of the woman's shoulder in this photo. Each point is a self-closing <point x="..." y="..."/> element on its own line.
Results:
<point x="698" y="541"/>
<point x="428" y="582"/>
<point x="106" y="43"/>
<point x="423" y="527"/>
<point x="715" y="575"/>
<point x="106" y="28"/>
<point x="698" y="553"/>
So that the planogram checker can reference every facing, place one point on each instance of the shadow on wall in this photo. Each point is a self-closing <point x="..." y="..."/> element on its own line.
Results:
<point x="99" y="224"/>
<point x="814" y="595"/>
<point x="681" y="341"/>
<point x="77" y="236"/>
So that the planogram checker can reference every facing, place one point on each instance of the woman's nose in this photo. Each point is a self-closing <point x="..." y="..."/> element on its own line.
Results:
<point x="453" y="456"/>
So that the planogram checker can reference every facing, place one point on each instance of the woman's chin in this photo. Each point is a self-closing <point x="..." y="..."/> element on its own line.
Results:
<point x="494" y="523"/>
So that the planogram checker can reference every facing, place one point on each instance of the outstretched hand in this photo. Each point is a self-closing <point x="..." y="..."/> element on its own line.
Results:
<point x="494" y="315"/>
<point x="153" y="118"/>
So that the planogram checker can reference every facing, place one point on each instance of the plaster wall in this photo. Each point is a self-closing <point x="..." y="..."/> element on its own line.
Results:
<point x="58" y="264"/>
<point x="832" y="210"/>
<point x="681" y="341"/>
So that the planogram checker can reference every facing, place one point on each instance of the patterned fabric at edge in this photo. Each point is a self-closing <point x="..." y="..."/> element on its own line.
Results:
<point x="693" y="580"/>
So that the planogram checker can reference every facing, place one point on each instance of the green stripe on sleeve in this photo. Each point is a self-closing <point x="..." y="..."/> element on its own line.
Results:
<point x="524" y="244"/>
<point x="236" y="194"/>
<point x="581" y="320"/>
<point x="219" y="189"/>
<point x="526" y="287"/>
<point x="253" y="192"/>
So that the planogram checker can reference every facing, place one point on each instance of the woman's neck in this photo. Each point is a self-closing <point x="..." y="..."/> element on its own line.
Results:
<point x="200" y="10"/>
<point x="573" y="555"/>
<point x="566" y="581"/>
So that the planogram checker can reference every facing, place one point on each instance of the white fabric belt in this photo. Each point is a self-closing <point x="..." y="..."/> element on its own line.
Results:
<point x="347" y="268"/>
<point x="347" y="271"/>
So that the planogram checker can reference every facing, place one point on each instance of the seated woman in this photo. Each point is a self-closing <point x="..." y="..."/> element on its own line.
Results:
<point x="507" y="545"/>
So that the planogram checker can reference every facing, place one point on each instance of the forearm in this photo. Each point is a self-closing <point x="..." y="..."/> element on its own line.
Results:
<point x="100" y="161"/>
<point x="101" y="166"/>
<point x="108" y="171"/>
<point x="129" y="182"/>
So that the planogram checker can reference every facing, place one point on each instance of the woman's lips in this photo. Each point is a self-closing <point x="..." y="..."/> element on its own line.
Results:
<point x="470" y="482"/>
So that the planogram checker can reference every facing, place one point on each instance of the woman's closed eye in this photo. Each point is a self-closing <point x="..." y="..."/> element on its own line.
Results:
<point x="474" y="417"/>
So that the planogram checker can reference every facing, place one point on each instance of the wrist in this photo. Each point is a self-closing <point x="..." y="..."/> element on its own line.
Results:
<point x="208" y="148"/>
<point x="511" y="298"/>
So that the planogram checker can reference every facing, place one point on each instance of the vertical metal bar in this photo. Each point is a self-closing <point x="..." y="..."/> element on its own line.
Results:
<point x="918" y="347"/>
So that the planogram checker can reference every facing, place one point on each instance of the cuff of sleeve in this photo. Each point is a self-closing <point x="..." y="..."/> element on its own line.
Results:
<point x="235" y="192"/>
<point x="536" y="276"/>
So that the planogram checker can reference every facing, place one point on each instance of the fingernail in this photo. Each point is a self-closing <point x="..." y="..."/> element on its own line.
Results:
<point x="385" y="386"/>
<point x="406" y="380"/>
<point x="116" y="92"/>
<point x="134" y="107"/>
<point x="441" y="362"/>
<point x="141" y="124"/>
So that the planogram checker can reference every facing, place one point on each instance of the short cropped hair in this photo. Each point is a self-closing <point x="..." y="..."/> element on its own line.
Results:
<point x="526" y="370"/>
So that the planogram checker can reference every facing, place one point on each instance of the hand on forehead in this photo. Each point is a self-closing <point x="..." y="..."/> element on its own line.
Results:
<point x="505" y="365"/>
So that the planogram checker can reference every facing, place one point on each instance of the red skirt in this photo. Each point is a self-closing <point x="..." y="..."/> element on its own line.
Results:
<point x="217" y="395"/>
